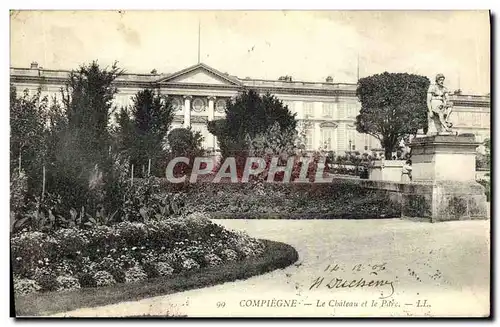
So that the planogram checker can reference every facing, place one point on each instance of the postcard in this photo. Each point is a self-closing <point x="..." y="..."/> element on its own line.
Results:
<point x="250" y="163"/>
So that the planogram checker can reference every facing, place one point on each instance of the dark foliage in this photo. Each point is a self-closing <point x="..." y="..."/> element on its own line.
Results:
<point x="392" y="107"/>
<point x="141" y="135"/>
<point x="248" y="115"/>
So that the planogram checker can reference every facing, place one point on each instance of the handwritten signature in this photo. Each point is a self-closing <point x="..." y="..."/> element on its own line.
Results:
<point x="336" y="282"/>
<point x="357" y="282"/>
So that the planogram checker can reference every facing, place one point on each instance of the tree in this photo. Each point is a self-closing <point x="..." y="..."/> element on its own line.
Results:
<point x="184" y="142"/>
<point x="142" y="134"/>
<point x="487" y="147"/>
<point x="393" y="105"/>
<point x="87" y="98"/>
<point x="82" y="142"/>
<point x="484" y="160"/>
<point x="274" y="143"/>
<point x="248" y="115"/>
<point x="28" y="118"/>
<point x="123" y="132"/>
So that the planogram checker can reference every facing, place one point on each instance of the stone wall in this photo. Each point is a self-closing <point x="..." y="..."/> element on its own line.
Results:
<point x="434" y="201"/>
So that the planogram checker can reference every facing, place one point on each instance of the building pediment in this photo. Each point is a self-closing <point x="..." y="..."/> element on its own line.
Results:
<point x="328" y="124"/>
<point x="200" y="74"/>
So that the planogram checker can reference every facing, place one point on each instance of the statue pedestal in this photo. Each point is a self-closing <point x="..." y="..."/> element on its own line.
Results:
<point x="444" y="180"/>
<point x="386" y="170"/>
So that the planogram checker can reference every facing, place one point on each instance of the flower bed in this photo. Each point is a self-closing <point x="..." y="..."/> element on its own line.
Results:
<point x="276" y="255"/>
<point x="127" y="252"/>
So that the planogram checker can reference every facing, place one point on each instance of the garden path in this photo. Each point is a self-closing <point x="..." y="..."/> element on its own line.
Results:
<point x="446" y="264"/>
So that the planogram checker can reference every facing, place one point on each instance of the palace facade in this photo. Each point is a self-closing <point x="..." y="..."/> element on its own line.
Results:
<point x="325" y="109"/>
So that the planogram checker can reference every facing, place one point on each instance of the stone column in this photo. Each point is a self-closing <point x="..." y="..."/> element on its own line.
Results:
<point x="335" y="138"/>
<point x="211" y="115"/>
<point x="211" y="109"/>
<point x="187" y="110"/>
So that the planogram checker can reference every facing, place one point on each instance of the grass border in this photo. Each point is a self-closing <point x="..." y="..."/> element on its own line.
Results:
<point x="276" y="256"/>
<point x="300" y="216"/>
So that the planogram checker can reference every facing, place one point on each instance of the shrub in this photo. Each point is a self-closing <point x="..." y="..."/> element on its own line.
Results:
<point x="67" y="283"/>
<point x="338" y="198"/>
<point x="31" y="250"/>
<point x="24" y="286"/>
<point x="487" y="188"/>
<point x="71" y="241"/>
<point x="103" y="278"/>
<point x="135" y="274"/>
<point x="39" y="214"/>
<point x="132" y="233"/>
<point x="212" y="260"/>
<point x="190" y="264"/>
<point x="229" y="255"/>
<point x="87" y="279"/>
<point x="103" y="237"/>
<point x="144" y="201"/>
<point x="45" y="278"/>
<point x="65" y="267"/>
<point x="164" y="269"/>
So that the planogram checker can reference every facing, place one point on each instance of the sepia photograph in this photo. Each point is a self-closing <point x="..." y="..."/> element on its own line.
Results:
<point x="250" y="163"/>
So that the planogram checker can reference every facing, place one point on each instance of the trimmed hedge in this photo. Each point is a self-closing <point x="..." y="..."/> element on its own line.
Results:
<point x="300" y="216"/>
<point x="338" y="200"/>
<point x="276" y="256"/>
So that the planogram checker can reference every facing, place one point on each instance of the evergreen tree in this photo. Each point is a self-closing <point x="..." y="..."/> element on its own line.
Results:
<point x="142" y="132"/>
<point x="82" y="169"/>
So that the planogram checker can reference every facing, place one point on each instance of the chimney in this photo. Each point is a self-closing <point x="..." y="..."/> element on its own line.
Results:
<point x="34" y="65"/>
<point x="329" y="79"/>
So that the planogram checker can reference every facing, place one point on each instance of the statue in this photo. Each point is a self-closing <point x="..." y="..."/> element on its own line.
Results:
<point x="439" y="108"/>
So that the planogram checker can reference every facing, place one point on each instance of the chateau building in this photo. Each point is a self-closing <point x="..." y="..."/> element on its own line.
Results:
<point x="326" y="110"/>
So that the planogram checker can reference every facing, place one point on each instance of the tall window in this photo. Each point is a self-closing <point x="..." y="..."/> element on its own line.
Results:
<point x="351" y="139"/>
<point x="366" y="139"/>
<point x="352" y="111"/>
<point x="476" y="119"/>
<point x="327" y="138"/>
<point x="308" y="138"/>
<point x="328" y="109"/>
<point x="308" y="109"/>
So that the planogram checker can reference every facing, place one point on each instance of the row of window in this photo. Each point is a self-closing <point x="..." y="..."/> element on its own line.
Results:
<point x="329" y="139"/>
<point x="199" y="104"/>
<point x="328" y="109"/>
<point x="476" y="119"/>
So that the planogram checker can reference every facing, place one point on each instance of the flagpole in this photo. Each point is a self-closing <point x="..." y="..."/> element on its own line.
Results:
<point x="358" y="69"/>
<point x="199" y="32"/>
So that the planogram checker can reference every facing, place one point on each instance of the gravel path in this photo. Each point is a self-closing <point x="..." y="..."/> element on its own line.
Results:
<point x="417" y="269"/>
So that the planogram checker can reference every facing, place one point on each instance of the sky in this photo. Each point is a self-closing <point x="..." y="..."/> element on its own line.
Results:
<point x="307" y="45"/>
